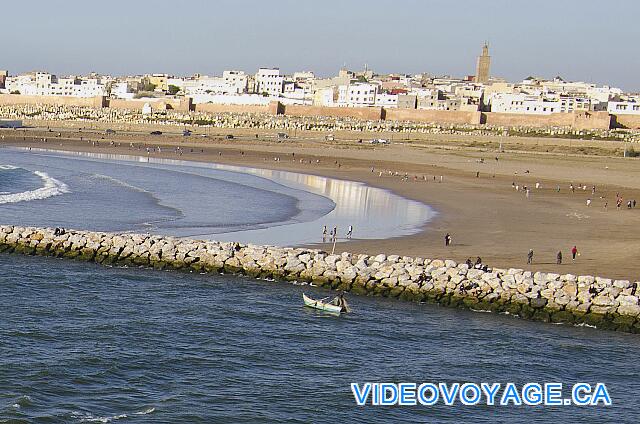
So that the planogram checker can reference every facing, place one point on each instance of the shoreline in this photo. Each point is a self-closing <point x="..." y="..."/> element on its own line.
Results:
<point x="400" y="216"/>
<point x="485" y="216"/>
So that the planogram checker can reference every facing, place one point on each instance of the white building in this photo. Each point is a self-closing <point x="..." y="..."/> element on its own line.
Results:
<point x="386" y="100"/>
<point x="232" y="82"/>
<point x="357" y="95"/>
<point x="21" y="84"/>
<point x="624" y="108"/>
<point x="237" y="81"/>
<point x="269" y="80"/>
<point x="327" y="96"/>
<point x="574" y="104"/>
<point x="523" y="104"/>
<point x="121" y="90"/>
<point x="46" y="84"/>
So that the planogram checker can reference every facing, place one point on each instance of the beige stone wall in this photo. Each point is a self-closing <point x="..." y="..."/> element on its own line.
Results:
<point x="435" y="116"/>
<point x="369" y="113"/>
<point x="19" y="99"/>
<point x="591" y="120"/>
<point x="626" y="121"/>
<point x="516" y="119"/>
<point x="214" y="108"/>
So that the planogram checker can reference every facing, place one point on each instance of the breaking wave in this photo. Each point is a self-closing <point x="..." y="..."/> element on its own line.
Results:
<point x="52" y="187"/>
<point x="89" y="418"/>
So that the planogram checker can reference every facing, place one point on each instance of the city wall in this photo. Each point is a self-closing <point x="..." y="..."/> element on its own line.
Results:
<point x="515" y="120"/>
<point x="367" y="113"/>
<point x="216" y="108"/>
<point x="626" y="121"/>
<point x="15" y="99"/>
<point x="439" y="116"/>
<point x="576" y="120"/>
<point x="602" y="302"/>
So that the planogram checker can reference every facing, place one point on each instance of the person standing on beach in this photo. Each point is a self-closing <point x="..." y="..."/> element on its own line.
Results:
<point x="447" y="239"/>
<point x="530" y="257"/>
<point x="559" y="258"/>
<point x="350" y="231"/>
<point x="324" y="233"/>
<point x="334" y="235"/>
<point x="574" y="252"/>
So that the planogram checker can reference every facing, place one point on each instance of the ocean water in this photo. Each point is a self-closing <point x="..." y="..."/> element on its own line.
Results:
<point x="85" y="343"/>
<point x="172" y="197"/>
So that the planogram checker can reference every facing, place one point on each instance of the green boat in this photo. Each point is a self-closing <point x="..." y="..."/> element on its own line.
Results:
<point x="319" y="304"/>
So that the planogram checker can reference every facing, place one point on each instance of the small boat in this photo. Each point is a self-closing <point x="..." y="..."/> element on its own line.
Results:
<point x="319" y="304"/>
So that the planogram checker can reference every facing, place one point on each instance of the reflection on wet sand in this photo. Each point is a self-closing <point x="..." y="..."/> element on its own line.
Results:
<point x="374" y="213"/>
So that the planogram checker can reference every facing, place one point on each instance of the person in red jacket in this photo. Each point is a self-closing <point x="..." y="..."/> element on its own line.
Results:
<point x="574" y="252"/>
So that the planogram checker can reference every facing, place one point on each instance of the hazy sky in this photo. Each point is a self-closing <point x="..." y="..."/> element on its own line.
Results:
<point x="577" y="39"/>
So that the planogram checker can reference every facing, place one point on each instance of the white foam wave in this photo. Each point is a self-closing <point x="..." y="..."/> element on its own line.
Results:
<point x="90" y="418"/>
<point x="146" y="411"/>
<point x="584" y="324"/>
<point x="51" y="187"/>
<point x="119" y="182"/>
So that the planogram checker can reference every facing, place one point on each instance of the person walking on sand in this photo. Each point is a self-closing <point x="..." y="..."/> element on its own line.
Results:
<point x="447" y="239"/>
<point x="324" y="233"/>
<point x="559" y="258"/>
<point x="530" y="257"/>
<point x="350" y="231"/>
<point x="574" y="252"/>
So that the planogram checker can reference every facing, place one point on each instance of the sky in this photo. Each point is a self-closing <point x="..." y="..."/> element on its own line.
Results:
<point x="580" y="40"/>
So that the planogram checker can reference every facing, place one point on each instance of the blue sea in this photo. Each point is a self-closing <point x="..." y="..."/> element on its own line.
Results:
<point x="80" y="342"/>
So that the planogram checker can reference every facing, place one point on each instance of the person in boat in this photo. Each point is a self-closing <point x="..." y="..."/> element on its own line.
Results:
<point x="342" y="302"/>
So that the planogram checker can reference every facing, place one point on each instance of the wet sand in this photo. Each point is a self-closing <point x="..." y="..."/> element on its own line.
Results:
<point x="485" y="215"/>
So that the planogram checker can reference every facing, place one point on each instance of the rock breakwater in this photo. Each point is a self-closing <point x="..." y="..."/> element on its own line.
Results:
<point x="601" y="302"/>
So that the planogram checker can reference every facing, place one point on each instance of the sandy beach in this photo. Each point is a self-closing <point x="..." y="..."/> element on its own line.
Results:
<point x="472" y="191"/>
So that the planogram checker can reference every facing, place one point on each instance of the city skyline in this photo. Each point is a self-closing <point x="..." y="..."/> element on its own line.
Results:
<point x="413" y="37"/>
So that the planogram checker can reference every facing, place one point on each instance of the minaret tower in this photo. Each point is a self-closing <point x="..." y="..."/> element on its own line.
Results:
<point x="484" y="63"/>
